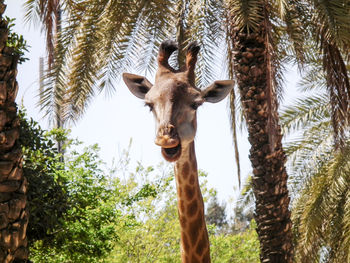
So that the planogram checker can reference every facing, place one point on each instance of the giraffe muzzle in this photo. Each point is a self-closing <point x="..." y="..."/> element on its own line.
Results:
<point x="167" y="136"/>
<point x="168" y="139"/>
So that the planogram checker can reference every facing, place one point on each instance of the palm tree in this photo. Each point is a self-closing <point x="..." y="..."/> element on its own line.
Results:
<point x="321" y="213"/>
<point x="49" y="13"/>
<point x="103" y="38"/>
<point x="320" y="180"/>
<point x="319" y="172"/>
<point x="259" y="44"/>
<point x="257" y="66"/>
<point x="13" y="185"/>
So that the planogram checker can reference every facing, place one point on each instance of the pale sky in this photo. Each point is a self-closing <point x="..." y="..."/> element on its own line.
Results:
<point x="111" y="122"/>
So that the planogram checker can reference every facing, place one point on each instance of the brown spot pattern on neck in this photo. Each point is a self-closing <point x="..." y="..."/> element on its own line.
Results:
<point x="185" y="170"/>
<point x="194" y="234"/>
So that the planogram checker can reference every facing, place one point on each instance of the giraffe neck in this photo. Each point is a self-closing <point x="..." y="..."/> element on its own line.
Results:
<point x="194" y="234"/>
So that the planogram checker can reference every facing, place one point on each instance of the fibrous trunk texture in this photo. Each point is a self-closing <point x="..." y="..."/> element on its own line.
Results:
<point x="13" y="185"/>
<point x="266" y="154"/>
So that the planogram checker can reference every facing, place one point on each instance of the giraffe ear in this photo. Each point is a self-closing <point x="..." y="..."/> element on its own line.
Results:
<point x="217" y="91"/>
<point x="138" y="85"/>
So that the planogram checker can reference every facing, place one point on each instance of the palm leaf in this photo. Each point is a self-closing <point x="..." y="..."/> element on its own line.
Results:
<point x="320" y="211"/>
<point x="246" y="14"/>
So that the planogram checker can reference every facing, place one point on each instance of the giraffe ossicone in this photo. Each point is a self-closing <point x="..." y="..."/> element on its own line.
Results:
<point x="174" y="99"/>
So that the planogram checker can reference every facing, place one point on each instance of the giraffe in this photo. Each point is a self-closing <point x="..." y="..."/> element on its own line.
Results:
<point x="174" y="100"/>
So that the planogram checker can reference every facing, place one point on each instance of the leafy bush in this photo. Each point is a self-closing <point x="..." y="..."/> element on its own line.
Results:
<point x="47" y="192"/>
<point x="75" y="206"/>
<point x="15" y="41"/>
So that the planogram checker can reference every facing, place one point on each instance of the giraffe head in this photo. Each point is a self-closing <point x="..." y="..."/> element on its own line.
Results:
<point x="174" y="99"/>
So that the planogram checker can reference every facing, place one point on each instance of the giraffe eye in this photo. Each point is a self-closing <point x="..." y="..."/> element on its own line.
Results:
<point x="195" y="105"/>
<point x="149" y="105"/>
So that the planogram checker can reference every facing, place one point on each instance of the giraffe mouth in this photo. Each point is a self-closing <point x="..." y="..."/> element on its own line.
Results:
<point x="172" y="154"/>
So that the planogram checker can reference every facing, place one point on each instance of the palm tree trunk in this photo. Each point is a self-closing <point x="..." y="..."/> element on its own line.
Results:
<point x="252" y="67"/>
<point x="13" y="185"/>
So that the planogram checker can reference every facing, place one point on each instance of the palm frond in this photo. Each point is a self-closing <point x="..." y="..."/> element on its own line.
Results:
<point x="32" y="13"/>
<point x="305" y="112"/>
<point x="332" y="21"/>
<point x="205" y="25"/>
<point x="319" y="212"/>
<point x="338" y="86"/>
<point x="246" y="14"/>
<point x="307" y="154"/>
<point x="313" y="79"/>
<point x="234" y="133"/>
<point x="84" y="59"/>
<point x="307" y="122"/>
<point x="120" y="43"/>
<point x="295" y="24"/>
<point x="53" y="95"/>
<point x="246" y="200"/>
<point x="345" y="242"/>
<point x="155" y="27"/>
<point x="54" y="91"/>
<point x="330" y="28"/>
<point x="319" y="178"/>
<point x="49" y="13"/>
<point x="101" y="39"/>
<point x="233" y="108"/>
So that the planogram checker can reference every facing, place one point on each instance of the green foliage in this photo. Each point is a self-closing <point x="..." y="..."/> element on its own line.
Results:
<point x="88" y="231"/>
<point x="47" y="192"/>
<point x="82" y="212"/>
<point x="154" y="236"/>
<point x="16" y="42"/>
<point x="238" y="248"/>
<point x="73" y="205"/>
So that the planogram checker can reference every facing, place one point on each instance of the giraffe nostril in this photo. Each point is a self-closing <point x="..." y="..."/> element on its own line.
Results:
<point x="168" y="130"/>
<point x="171" y="130"/>
<point x="167" y="136"/>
